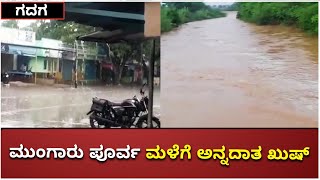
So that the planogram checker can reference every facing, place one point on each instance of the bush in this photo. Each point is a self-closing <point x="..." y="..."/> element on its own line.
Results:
<point x="165" y="20"/>
<point x="308" y="18"/>
<point x="184" y="15"/>
<point x="302" y="15"/>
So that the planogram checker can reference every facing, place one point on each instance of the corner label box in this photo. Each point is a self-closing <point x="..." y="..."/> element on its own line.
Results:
<point x="32" y="10"/>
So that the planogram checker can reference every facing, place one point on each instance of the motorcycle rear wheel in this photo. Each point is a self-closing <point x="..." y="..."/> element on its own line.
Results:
<point x="95" y="124"/>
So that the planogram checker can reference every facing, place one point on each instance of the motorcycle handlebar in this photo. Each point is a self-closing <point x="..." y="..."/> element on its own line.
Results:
<point x="141" y="90"/>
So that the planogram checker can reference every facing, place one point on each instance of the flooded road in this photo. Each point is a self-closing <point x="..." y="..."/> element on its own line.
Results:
<point x="227" y="73"/>
<point x="66" y="107"/>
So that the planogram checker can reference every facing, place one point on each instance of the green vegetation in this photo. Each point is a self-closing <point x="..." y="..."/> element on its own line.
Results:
<point x="10" y="24"/>
<point x="175" y="14"/>
<point x="301" y="15"/>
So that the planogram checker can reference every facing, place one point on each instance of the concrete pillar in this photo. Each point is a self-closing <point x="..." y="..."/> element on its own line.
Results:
<point x="150" y="82"/>
<point x="15" y="62"/>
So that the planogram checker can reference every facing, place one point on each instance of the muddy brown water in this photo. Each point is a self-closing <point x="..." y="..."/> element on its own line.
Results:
<point x="227" y="73"/>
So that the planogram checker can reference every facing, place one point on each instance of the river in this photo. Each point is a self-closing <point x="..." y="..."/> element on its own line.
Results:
<point x="228" y="73"/>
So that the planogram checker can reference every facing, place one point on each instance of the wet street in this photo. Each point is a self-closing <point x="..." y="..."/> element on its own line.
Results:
<point x="227" y="73"/>
<point x="54" y="107"/>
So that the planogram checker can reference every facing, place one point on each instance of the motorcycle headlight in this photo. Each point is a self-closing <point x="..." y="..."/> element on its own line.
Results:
<point x="7" y="75"/>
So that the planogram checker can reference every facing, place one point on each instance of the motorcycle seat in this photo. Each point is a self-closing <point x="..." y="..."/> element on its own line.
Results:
<point x="114" y="103"/>
<point x="104" y="102"/>
<point x="101" y="102"/>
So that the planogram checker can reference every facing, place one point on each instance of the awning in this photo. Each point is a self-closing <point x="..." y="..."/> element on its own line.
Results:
<point x="18" y="49"/>
<point x="106" y="15"/>
<point x="113" y="36"/>
<point x="119" y="21"/>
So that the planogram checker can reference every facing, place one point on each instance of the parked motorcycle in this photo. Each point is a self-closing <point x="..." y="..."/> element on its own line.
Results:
<point x="5" y="78"/>
<point x="129" y="113"/>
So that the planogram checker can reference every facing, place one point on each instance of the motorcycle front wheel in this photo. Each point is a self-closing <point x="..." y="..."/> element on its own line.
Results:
<point x="142" y="122"/>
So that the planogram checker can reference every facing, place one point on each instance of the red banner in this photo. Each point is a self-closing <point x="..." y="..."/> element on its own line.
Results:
<point x="202" y="153"/>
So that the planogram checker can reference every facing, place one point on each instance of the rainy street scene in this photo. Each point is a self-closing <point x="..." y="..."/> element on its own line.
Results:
<point x="239" y="65"/>
<point x="79" y="73"/>
<point x="42" y="106"/>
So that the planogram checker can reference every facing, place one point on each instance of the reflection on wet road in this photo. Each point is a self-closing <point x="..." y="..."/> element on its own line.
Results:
<point x="58" y="107"/>
<point x="227" y="73"/>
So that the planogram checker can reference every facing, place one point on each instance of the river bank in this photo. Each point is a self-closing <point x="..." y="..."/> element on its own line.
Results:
<point x="236" y="74"/>
<point x="174" y="15"/>
<point x="301" y="15"/>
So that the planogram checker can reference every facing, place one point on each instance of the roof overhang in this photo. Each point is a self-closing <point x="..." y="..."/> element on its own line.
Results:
<point x="129" y="21"/>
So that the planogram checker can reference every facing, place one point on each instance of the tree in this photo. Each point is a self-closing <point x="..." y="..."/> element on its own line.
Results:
<point x="64" y="31"/>
<point x="10" y="24"/>
<point x="121" y="53"/>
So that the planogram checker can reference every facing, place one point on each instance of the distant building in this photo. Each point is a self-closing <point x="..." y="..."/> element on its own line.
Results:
<point x="46" y="62"/>
<point x="16" y="48"/>
<point x="19" y="48"/>
<point x="17" y="36"/>
<point x="51" y="59"/>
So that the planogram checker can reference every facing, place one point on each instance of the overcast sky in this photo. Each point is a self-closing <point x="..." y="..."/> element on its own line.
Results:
<point x="24" y="23"/>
